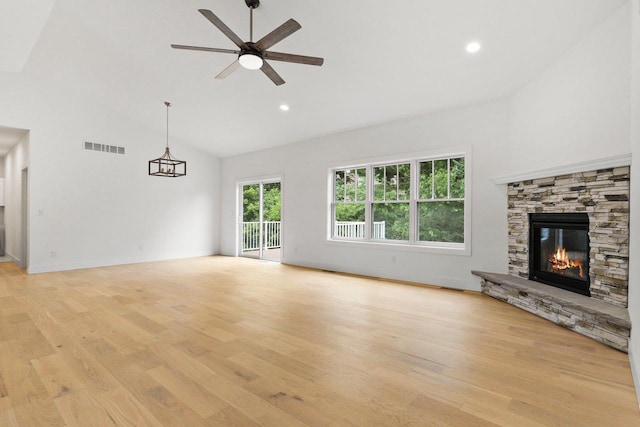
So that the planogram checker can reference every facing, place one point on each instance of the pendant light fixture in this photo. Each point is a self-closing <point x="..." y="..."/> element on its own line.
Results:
<point x="167" y="165"/>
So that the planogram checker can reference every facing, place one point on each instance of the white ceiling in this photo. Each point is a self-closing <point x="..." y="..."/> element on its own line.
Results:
<point x="384" y="60"/>
<point x="9" y="137"/>
<point x="20" y="24"/>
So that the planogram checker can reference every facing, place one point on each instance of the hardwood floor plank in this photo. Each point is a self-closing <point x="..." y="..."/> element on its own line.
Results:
<point x="80" y="409"/>
<point x="56" y="375"/>
<point x="257" y="409"/>
<point x="297" y="402"/>
<point x="447" y="414"/>
<point x="227" y="368"/>
<point x="188" y="392"/>
<point x="155" y="398"/>
<point x="7" y="413"/>
<point x="144" y="322"/>
<point x="126" y="410"/>
<point x="38" y="412"/>
<point x="230" y="417"/>
<point x="23" y="385"/>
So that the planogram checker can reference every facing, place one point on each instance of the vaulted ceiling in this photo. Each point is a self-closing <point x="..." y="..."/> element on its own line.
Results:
<point x="384" y="60"/>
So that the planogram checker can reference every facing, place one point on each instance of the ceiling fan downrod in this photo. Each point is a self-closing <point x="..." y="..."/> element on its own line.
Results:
<point x="252" y="4"/>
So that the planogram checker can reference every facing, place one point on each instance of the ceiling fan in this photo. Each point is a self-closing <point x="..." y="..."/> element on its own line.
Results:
<point x="254" y="55"/>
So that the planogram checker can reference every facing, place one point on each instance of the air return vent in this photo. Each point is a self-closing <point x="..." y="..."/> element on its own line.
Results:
<point x="94" y="146"/>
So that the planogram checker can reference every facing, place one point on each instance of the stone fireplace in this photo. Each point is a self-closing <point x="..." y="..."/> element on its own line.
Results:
<point x="604" y="196"/>
<point x="578" y="224"/>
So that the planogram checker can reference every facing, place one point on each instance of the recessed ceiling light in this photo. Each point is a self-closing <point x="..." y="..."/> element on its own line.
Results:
<point x="284" y="107"/>
<point x="473" y="47"/>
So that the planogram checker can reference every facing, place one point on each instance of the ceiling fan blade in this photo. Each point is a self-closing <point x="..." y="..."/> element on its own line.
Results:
<point x="204" y="49"/>
<point x="289" y="57"/>
<point x="230" y="69"/>
<point x="222" y="27"/>
<point x="271" y="73"/>
<point x="284" y="30"/>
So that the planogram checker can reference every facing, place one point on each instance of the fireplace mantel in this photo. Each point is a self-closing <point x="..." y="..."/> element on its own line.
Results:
<point x="590" y="165"/>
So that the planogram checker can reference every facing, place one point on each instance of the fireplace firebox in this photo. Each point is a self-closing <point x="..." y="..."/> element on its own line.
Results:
<point x="559" y="250"/>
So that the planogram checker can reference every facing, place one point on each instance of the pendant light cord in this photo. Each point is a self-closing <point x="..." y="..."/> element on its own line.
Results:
<point x="168" y="105"/>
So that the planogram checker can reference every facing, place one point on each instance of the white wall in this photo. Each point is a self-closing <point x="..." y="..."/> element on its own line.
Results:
<point x="305" y="167"/>
<point x="578" y="108"/>
<point x="634" y="268"/>
<point x="90" y="209"/>
<point x="14" y="162"/>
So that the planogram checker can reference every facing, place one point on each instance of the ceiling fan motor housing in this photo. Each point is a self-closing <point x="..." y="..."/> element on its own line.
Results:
<point x="250" y="48"/>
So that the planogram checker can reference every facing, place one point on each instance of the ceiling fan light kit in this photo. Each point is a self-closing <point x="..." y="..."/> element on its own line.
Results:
<point x="251" y="61"/>
<point x="253" y="56"/>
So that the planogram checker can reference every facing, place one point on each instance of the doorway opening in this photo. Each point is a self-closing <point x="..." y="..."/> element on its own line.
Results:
<point x="261" y="220"/>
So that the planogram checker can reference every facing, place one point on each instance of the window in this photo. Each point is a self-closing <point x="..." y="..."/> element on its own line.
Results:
<point x="350" y="191"/>
<point x="441" y="201"/>
<point x="415" y="202"/>
<point x="391" y="200"/>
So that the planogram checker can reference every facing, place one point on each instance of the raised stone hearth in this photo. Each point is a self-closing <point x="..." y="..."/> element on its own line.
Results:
<point x="603" y="322"/>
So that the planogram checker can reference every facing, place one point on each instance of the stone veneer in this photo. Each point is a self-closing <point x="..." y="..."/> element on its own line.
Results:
<point x="604" y="196"/>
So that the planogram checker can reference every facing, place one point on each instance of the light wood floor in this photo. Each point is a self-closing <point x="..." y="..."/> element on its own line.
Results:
<point x="227" y="341"/>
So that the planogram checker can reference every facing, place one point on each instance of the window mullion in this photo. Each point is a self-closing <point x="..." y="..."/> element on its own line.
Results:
<point x="433" y="179"/>
<point x="355" y="185"/>
<point x="413" y="195"/>
<point x="368" y="219"/>
<point x="344" y="185"/>
<point x="384" y="183"/>
<point x="397" y="182"/>
<point x="449" y="178"/>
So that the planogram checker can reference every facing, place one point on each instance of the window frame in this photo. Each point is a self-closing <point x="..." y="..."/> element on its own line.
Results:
<point x="371" y="197"/>
<point x="334" y="202"/>
<point x="413" y="244"/>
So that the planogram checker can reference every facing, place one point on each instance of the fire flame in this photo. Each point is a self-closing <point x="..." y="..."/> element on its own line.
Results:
<point x="560" y="261"/>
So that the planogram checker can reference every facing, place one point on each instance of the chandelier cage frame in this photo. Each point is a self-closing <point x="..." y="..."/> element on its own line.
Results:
<point x="167" y="165"/>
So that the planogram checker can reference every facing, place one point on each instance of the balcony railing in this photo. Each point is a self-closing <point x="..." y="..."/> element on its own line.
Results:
<point x="251" y="235"/>
<point x="271" y="233"/>
<point x="355" y="230"/>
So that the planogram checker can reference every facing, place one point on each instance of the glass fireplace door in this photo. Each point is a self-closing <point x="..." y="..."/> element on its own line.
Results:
<point x="559" y="251"/>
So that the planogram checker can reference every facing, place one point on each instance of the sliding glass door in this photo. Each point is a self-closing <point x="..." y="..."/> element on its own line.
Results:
<point x="261" y="224"/>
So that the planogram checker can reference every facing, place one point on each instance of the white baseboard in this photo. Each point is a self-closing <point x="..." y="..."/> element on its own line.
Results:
<point x="49" y="268"/>
<point x="472" y="284"/>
